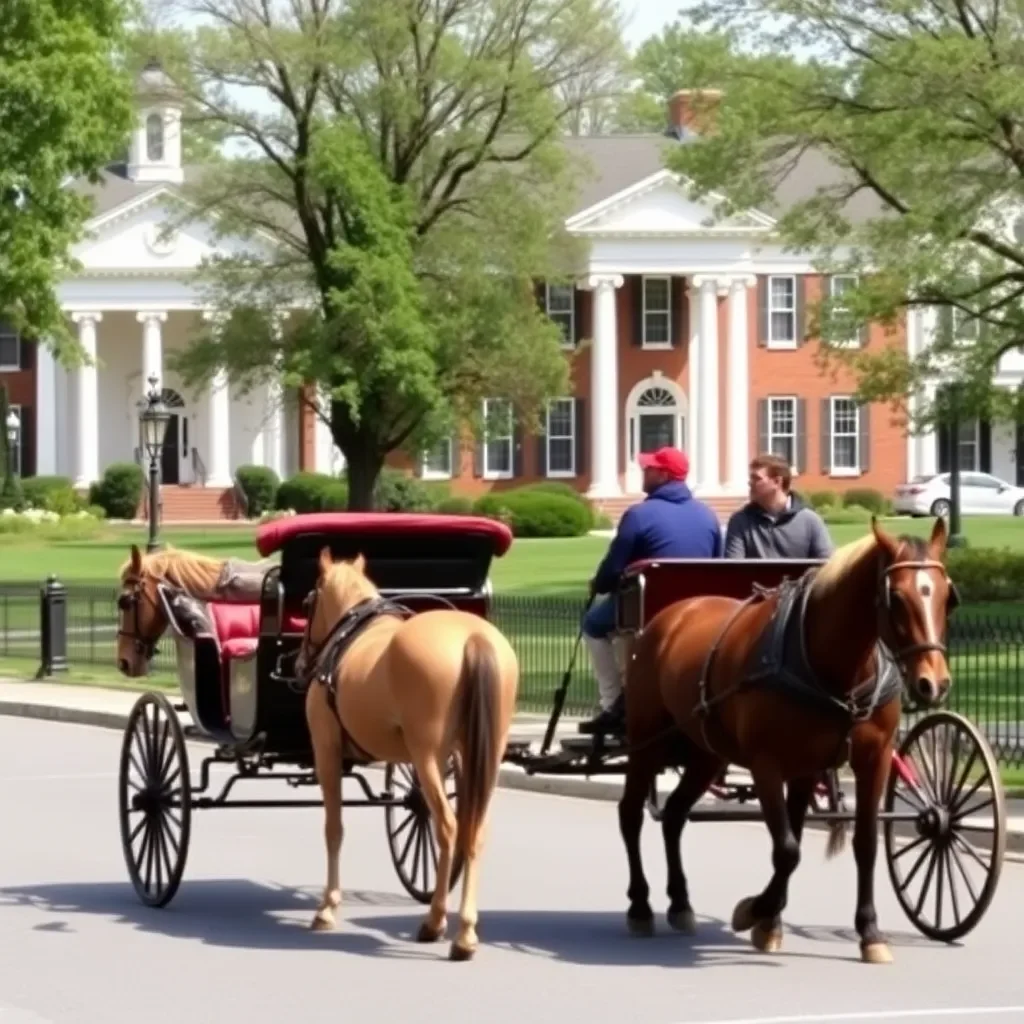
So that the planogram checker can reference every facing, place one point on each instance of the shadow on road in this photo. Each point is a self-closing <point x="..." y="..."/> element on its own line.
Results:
<point x="243" y="914"/>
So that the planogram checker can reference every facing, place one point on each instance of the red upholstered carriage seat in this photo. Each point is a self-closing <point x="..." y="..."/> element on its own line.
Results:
<point x="237" y="627"/>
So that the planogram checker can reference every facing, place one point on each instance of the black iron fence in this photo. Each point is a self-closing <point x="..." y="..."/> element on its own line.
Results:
<point x="986" y="652"/>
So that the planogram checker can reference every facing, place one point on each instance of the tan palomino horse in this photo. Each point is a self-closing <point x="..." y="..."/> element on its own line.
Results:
<point x="407" y="691"/>
<point x="707" y="685"/>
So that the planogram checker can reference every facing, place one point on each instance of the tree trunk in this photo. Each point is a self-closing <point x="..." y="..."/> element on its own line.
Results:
<point x="363" y="470"/>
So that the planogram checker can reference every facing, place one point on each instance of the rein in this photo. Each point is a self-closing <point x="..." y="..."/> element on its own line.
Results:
<point x="146" y="646"/>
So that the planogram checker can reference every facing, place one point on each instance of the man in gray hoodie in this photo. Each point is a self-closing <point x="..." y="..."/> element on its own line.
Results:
<point x="776" y="523"/>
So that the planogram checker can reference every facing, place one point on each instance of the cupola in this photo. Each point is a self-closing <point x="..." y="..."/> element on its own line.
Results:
<point x="155" y="152"/>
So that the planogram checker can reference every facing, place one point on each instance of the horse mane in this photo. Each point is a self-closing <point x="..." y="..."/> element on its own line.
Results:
<point x="842" y="561"/>
<point x="197" y="574"/>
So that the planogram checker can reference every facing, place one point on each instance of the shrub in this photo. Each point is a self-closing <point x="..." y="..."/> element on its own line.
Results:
<point x="53" y="493"/>
<point x="986" y="574"/>
<point x="455" y="506"/>
<point x="837" y="515"/>
<point x="396" y="491"/>
<point x="536" y="514"/>
<point x="819" y="500"/>
<point x="120" y="490"/>
<point x="865" y="497"/>
<point x="563" y="489"/>
<point x="312" y="492"/>
<point x="259" y="485"/>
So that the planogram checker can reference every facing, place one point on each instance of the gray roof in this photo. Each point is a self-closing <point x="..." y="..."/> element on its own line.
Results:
<point x="608" y="164"/>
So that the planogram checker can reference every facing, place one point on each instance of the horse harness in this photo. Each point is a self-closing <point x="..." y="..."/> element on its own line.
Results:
<point x="130" y="602"/>
<point x="780" y="657"/>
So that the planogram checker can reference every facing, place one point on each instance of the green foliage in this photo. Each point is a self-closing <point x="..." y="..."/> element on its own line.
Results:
<point x="396" y="491"/>
<point x="457" y="505"/>
<point x="15" y="530"/>
<point x="52" y="493"/>
<point x="893" y="147"/>
<point x="119" y="492"/>
<point x="259" y="484"/>
<point x="820" y="500"/>
<point x="65" y="105"/>
<point x="986" y="574"/>
<point x="531" y="513"/>
<point x="392" y="147"/>
<point x="866" y="497"/>
<point x="566" y="491"/>
<point x="312" y="492"/>
<point x="836" y="515"/>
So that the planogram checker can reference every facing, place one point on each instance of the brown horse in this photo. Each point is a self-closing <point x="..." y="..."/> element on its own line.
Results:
<point x="707" y="668"/>
<point x="407" y="690"/>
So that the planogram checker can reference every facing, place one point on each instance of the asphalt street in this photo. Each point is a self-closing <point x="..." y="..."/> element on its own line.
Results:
<point x="77" y="946"/>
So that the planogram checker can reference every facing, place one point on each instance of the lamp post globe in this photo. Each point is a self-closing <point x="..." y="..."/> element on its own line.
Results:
<point x="153" y="419"/>
<point x="13" y="427"/>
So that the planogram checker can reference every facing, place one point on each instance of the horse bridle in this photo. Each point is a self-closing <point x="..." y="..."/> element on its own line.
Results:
<point x="130" y="602"/>
<point x="885" y="609"/>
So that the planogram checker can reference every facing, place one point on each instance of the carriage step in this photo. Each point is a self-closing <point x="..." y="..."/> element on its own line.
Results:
<point x="592" y="744"/>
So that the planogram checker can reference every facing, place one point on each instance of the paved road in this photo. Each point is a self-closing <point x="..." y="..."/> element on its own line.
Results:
<point x="234" y="945"/>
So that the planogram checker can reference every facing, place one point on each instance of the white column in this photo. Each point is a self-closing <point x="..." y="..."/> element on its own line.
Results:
<point x="218" y="423"/>
<point x="708" y="473"/>
<point x="323" y="443"/>
<point x="274" y="443"/>
<point x="152" y="348"/>
<point x="927" y="443"/>
<point x="47" y="410"/>
<point x="604" y="389"/>
<point x="87" y="432"/>
<point x="737" y="401"/>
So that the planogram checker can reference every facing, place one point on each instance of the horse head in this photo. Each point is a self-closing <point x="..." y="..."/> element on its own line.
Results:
<point x="141" y="618"/>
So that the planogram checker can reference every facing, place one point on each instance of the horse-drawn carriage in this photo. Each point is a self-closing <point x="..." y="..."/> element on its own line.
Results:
<point x="237" y="645"/>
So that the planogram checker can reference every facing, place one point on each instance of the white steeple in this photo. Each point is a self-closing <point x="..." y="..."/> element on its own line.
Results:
<point x="155" y="153"/>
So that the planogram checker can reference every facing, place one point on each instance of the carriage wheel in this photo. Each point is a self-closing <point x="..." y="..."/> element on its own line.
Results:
<point x="411" y="836"/>
<point x="155" y="796"/>
<point x="946" y="873"/>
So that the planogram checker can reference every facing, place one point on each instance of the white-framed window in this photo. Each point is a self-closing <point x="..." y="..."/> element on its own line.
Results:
<point x="657" y="312"/>
<point x="16" y="450"/>
<point x="561" y="437"/>
<point x="560" y="306"/>
<point x="155" y="137"/>
<point x="969" y="446"/>
<point x="10" y="348"/>
<point x="782" y="309"/>
<point x="436" y="463"/>
<point x="845" y="436"/>
<point x="782" y="428"/>
<point x="498" y="443"/>
<point x="838" y="285"/>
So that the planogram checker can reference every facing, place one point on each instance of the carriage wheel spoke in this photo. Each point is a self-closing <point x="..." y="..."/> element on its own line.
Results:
<point x="910" y="846"/>
<point x="957" y="736"/>
<point x="987" y="802"/>
<point x="954" y="856"/>
<point x="952" y="886"/>
<point x="969" y="850"/>
<point x="926" y="884"/>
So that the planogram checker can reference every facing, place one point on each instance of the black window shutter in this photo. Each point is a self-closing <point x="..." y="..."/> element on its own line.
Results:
<point x="865" y="437"/>
<point x="679" y="303"/>
<point x="985" y="446"/>
<point x="762" y="310"/>
<point x="579" y="298"/>
<point x="826" y="435"/>
<point x="762" y="425"/>
<point x="636" y="291"/>
<point x="800" y="453"/>
<point x="800" y="304"/>
<point x="517" y="446"/>
<point x="28" y="441"/>
<point x="26" y="353"/>
<point x="542" y="447"/>
<point x="540" y="292"/>
<point x="581" y="436"/>
<point x="943" y="435"/>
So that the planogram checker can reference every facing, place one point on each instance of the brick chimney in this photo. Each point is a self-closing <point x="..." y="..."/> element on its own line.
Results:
<point x="692" y="111"/>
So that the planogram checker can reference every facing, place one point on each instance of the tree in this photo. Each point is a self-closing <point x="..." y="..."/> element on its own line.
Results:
<point x="913" y="113"/>
<point x="65" y="102"/>
<point x="405" y="184"/>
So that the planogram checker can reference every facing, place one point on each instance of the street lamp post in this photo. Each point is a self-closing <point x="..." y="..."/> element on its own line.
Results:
<point x="956" y="539"/>
<point x="13" y="430"/>
<point x="153" y="419"/>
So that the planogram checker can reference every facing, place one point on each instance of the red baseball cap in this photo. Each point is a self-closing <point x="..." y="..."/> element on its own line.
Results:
<point x="668" y="460"/>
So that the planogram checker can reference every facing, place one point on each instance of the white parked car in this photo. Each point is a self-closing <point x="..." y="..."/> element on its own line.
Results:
<point x="981" y="494"/>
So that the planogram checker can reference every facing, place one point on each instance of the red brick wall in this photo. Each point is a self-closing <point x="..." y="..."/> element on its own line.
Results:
<point x="21" y="390"/>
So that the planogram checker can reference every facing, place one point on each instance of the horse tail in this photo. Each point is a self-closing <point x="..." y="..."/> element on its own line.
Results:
<point x="477" y="709"/>
<point x="837" y="832"/>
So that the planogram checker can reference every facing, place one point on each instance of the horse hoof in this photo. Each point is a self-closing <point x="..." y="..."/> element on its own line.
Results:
<point x="428" y="933"/>
<point x="682" y="921"/>
<point x="766" y="938"/>
<point x="460" y="953"/>
<point x="743" y="916"/>
<point x="640" y="927"/>
<point x="876" y="953"/>
<point x="321" y="924"/>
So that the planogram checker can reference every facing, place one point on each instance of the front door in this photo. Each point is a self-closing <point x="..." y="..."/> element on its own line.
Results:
<point x="650" y="430"/>
<point x="657" y="430"/>
<point x="170" y="457"/>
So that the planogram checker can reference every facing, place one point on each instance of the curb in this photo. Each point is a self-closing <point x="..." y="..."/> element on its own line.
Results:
<point x="509" y="777"/>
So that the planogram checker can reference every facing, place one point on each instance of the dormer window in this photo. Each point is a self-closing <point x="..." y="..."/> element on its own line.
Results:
<point x="154" y="137"/>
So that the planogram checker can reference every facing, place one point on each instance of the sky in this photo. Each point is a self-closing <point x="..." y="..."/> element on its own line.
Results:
<point x="647" y="18"/>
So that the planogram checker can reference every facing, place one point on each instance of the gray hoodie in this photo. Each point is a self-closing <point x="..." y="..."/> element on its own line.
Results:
<point x="796" y="532"/>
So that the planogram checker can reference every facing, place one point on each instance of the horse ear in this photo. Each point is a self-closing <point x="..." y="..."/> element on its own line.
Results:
<point x="884" y="540"/>
<point x="326" y="560"/>
<point x="937" y="541"/>
<point x="359" y="564"/>
<point x="136" y="560"/>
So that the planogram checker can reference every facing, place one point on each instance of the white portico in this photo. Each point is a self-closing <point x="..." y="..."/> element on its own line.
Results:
<point x="134" y="303"/>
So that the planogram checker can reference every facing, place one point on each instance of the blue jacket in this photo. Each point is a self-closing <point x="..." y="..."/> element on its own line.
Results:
<point x="669" y="523"/>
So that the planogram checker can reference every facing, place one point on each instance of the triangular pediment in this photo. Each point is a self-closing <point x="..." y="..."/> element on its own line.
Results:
<point x="134" y="237"/>
<point x="660" y="205"/>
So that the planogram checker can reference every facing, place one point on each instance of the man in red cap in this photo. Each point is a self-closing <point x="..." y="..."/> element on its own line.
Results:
<point x="669" y="523"/>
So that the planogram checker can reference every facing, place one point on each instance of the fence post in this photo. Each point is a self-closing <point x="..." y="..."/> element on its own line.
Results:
<point x="53" y="628"/>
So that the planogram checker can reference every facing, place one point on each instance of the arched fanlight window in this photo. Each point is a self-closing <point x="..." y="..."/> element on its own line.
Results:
<point x="655" y="397"/>
<point x="155" y="137"/>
